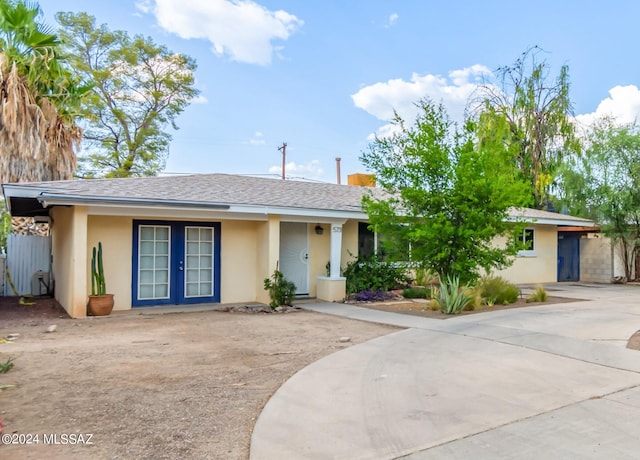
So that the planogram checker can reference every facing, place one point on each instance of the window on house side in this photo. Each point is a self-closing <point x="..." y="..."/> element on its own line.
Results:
<point x="528" y="239"/>
<point x="366" y="240"/>
<point x="370" y="243"/>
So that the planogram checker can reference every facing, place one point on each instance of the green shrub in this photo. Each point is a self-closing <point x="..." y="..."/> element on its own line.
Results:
<point x="539" y="295"/>
<point x="497" y="291"/>
<point x="281" y="291"/>
<point x="6" y="366"/>
<point x="425" y="277"/>
<point x="475" y="301"/>
<point x="372" y="273"/>
<point x="452" y="299"/>
<point x="416" y="293"/>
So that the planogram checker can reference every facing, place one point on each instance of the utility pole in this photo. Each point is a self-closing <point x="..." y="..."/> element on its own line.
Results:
<point x="284" y="156"/>
<point x="338" y="169"/>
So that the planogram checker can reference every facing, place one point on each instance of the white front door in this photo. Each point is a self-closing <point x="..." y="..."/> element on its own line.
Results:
<point x="294" y="254"/>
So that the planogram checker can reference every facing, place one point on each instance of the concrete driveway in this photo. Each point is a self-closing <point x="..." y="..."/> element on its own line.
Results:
<point x="540" y="382"/>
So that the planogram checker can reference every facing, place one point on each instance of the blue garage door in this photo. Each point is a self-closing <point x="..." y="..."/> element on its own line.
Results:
<point x="568" y="257"/>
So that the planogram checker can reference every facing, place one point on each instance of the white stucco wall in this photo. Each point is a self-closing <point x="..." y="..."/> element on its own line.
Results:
<point x="69" y="258"/>
<point x="238" y="261"/>
<point x="115" y="233"/>
<point x="249" y="251"/>
<point x="539" y="265"/>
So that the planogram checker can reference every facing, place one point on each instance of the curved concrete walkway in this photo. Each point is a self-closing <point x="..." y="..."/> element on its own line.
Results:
<point x="541" y="382"/>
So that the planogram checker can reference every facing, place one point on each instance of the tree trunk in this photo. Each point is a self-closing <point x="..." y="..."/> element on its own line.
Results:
<point x="624" y="257"/>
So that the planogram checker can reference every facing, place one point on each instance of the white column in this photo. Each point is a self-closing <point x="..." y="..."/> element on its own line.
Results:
<point x="336" y="250"/>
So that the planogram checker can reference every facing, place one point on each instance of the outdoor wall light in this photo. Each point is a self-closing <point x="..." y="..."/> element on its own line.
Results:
<point x="319" y="230"/>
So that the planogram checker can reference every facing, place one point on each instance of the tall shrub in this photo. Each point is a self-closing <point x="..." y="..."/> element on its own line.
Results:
<point x="374" y="274"/>
<point x="497" y="290"/>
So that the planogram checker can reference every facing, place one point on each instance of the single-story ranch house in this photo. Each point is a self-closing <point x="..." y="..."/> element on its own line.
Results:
<point x="216" y="237"/>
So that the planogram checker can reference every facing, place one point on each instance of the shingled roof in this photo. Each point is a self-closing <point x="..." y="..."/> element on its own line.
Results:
<point x="212" y="189"/>
<point x="219" y="191"/>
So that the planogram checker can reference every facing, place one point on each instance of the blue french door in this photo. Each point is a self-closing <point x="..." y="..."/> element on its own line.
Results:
<point x="175" y="263"/>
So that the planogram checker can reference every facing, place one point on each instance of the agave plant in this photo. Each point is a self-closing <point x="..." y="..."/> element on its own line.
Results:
<point x="451" y="298"/>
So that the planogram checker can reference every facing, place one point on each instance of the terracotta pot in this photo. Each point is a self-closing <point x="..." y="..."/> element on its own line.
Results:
<point x="100" y="305"/>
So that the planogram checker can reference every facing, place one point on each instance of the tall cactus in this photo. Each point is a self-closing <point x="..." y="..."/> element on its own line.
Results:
<point x="94" y="275"/>
<point x="98" y="285"/>
<point x="102" y="286"/>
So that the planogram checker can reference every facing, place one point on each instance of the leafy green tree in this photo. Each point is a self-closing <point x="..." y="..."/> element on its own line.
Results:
<point x="139" y="90"/>
<point x="447" y="194"/>
<point x="538" y="112"/>
<point x="39" y="100"/>
<point x="604" y="184"/>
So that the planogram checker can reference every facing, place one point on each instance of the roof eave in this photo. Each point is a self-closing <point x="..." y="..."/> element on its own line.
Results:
<point x="55" y="199"/>
<point x="548" y="221"/>
<point x="49" y="199"/>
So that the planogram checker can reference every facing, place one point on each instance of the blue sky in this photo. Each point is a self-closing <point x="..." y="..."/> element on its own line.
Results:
<point x="324" y="75"/>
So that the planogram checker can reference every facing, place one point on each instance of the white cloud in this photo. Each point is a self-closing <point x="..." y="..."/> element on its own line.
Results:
<point x="257" y="139"/>
<point x="240" y="29"/>
<point x="391" y="21"/>
<point x="381" y="99"/>
<point x="144" y="6"/>
<point x="311" y="170"/>
<point x="623" y="104"/>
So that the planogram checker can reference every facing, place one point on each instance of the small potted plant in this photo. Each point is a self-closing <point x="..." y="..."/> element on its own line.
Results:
<point x="100" y="303"/>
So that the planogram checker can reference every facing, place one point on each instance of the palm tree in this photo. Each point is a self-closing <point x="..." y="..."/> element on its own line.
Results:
<point x="38" y="99"/>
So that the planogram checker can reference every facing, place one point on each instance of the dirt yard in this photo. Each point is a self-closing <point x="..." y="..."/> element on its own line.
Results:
<point x="182" y="385"/>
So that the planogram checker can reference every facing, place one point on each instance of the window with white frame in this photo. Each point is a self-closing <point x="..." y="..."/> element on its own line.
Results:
<point x="528" y="240"/>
